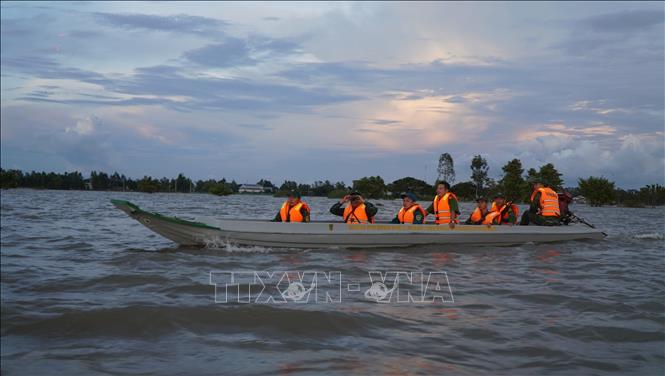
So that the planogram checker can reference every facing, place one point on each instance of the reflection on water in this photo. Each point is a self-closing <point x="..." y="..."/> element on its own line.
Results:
<point x="87" y="290"/>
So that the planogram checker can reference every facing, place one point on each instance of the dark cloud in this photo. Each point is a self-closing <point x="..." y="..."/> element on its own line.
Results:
<point x="51" y="69"/>
<point x="384" y="122"/>
<point x="233" y="52"/>
<point x="625" y="21"/>
<point x="203" y="93"/>
<point x="241" y="52"/>
<point x="180" y="23"/>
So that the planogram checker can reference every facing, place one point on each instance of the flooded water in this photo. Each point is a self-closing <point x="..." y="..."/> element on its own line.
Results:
<point x="87" y="290"/>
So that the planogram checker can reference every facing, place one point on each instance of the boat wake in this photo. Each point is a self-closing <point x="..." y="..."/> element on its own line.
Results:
<point x="650" y="236"/>
<point x="231" y="247"/>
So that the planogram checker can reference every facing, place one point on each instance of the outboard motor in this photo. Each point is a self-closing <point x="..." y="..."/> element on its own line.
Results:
<point x="565" y="199"/>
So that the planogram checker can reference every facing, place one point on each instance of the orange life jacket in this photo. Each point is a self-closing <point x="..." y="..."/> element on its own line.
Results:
<point x="549" y="202"/>
<point x="477" y="216"/>
<point x="506" y="213"/>
<point x="492" y="218"/>
<point x="407" y="215"/>
<point x="442" y="212"/>
<point x="292" y="214"/>
<point x="357" y="214"/>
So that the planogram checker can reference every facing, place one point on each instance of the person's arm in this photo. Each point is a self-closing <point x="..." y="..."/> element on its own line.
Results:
<point x="304" y="211"/>
<point x="454" y="208"/>
<point x="395" y="220"/>
<point x="511" y="216"/>
<point x="430" y="209"/>
<point x="418" y="217"/>
<point x="337" y="209"/>
<point x="535" y="204"/>
<point x="278" y="218"/>
<point x="370" y="209"/>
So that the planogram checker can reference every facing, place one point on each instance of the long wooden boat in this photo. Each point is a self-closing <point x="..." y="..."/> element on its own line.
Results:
<point x="342" y="235"/>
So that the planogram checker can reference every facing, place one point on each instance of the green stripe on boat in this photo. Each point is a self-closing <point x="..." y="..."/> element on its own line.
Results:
<point x="136" y="209"/>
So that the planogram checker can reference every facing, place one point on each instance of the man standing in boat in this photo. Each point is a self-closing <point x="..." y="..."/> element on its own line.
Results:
<point x="357" y="210"/>
<point x="293" y="209"/>
<point x="444" y="207"/>
<point x="544" y="208"/>
<point x="411" y="212"/>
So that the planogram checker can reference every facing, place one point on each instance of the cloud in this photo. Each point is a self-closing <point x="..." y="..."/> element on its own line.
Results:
<point x="50" y="69"/>
<point x="180" y="23"/>
<point x="84" y="126"/>
<point x="235" y="52"/>
<point x="642" y="154"/>
<point x="625" y="21"/>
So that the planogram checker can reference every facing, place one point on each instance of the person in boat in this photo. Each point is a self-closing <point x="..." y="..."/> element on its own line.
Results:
<point x="508" y="211"/>
<point x="411" y="212"/>
<point x="444" y="206"/>
<point x="479" y="214"/>
<point x="357" y="210"/>
<point x="293" y="209"/>
<point x="544" y="207"/>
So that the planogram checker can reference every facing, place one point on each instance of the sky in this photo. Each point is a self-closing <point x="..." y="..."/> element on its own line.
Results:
<point x="314" y="91"/>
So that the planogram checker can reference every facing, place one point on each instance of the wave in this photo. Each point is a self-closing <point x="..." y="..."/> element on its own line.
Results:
<point x="155" y="321"/>
<point x="650" y="236"/>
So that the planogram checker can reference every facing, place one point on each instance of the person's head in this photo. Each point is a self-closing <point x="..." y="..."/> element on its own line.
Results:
<point x="538" y="185"/>
<point x="499" y="199"/>
<point x="294" y="197"/>
<point x="481" y="202"/>
<point x="408" y="199"/>
<point x="355" y="198"/>
<point x="442" y="188"/>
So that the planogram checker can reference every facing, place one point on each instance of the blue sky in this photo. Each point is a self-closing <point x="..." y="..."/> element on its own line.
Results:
<point x="309" y="91"/>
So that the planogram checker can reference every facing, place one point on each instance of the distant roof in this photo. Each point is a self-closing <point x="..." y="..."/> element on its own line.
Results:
<point x="251" y="186"/>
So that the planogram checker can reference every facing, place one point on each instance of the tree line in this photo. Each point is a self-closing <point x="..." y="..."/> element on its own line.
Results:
<point x="514" y="183"/>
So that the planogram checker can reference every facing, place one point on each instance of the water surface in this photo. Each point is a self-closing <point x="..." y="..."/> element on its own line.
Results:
<point x="87" y="290"/>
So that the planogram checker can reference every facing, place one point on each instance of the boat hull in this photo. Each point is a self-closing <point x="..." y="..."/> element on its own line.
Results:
<point x="341" y="235"/>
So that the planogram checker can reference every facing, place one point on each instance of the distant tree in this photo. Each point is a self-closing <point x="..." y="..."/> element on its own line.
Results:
<point x="148" y="184"/>
<point x="598" y="191"/>
<point x="479" y="170"/>
<point x="550" y="177"/>
<point x="421" y="189"/>
<point x="10" y="178"/>
<point x="100" y="181"/>
<point x="370" y="187"/>
<point x="265" y="183"/>
<point x="446" y="169"/>
<point x="653" y="194"/>
<point x="220" y="189"/>
<point x="183" y="184"/>
<point x="512" y="184"/>
<point x="288" y="186"/>
<point x="465" y="191"/>
<point x="322" y="188"/>
<point x="305" y="189"/>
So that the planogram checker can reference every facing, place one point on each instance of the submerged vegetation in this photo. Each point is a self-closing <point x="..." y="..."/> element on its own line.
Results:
<point x="514" y="183"/>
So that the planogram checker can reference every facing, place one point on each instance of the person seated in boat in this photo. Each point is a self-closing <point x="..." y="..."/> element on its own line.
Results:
<point x="293" y="209"/>
<point x="444" y="206"/>
<point x="479" y="214"/>
<point x="357" y="210"/>
<point x="411" y="212"/>
<point x="508" y="211"/>
<point x="544" y="207"/>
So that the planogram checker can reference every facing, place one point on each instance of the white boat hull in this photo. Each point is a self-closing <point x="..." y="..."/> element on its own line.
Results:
<point x="341" y="235"/>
